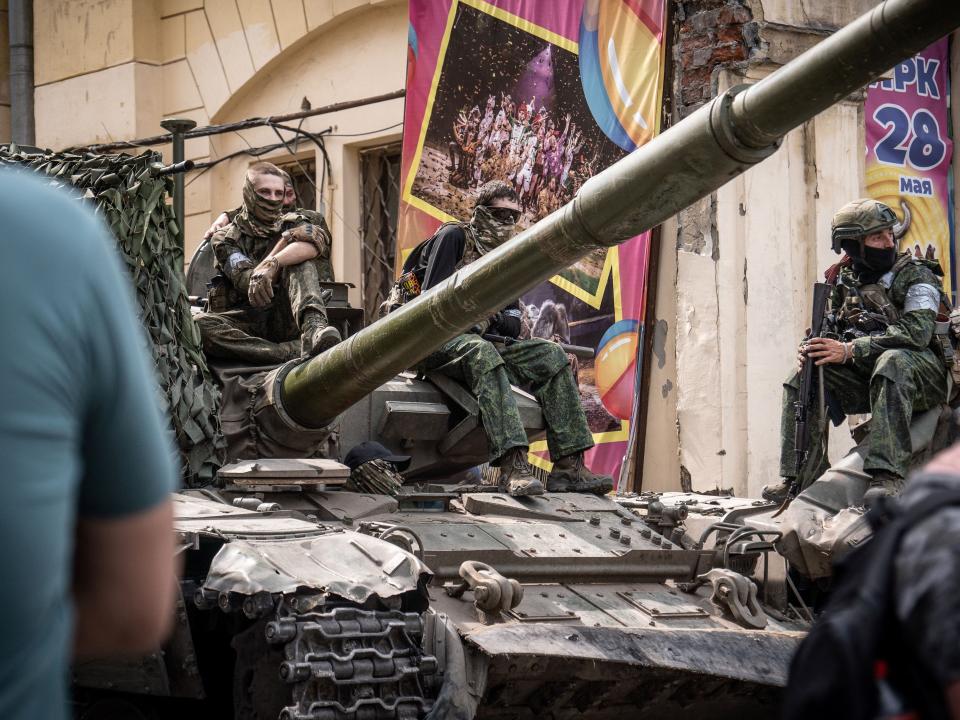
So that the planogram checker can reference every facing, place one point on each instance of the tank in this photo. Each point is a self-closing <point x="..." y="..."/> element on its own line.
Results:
<point x="304" y="601"/>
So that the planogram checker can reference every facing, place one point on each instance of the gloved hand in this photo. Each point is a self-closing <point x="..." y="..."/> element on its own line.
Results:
<point x="260" y="291"/>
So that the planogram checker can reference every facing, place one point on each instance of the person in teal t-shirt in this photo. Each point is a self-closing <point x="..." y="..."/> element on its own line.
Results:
<point x="87" y="463"/>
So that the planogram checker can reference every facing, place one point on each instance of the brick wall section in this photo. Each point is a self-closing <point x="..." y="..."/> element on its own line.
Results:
<point x="708" y="34"/>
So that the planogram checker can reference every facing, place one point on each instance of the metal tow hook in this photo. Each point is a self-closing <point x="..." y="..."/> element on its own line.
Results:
<point x="738" y="595"/>
<point x="492" y="592"/>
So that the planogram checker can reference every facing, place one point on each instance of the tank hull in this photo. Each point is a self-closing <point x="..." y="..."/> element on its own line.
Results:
<point x="607" y="673"/>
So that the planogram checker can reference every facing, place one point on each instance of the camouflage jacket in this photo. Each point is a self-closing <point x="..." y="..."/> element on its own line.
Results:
<point x="236" y="252"/>
<point x="913" y="295"/>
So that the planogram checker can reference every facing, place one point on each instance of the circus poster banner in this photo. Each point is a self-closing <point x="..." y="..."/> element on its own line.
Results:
<point x="543" y="95"/>
<point x="909" y="153"/>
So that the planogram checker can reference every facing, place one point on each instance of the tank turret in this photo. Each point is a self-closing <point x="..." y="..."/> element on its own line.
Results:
<point x="736" y="130"/>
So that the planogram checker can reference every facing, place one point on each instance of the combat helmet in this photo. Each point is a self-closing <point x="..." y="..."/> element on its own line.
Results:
<point x="859" y="218"/>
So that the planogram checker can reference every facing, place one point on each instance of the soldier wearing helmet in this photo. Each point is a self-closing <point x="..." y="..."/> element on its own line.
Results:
<point x="882" y="355"/>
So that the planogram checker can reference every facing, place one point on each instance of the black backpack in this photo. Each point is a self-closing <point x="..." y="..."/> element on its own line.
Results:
<point x="834" y="672"/>
<point x="407" y="286"/>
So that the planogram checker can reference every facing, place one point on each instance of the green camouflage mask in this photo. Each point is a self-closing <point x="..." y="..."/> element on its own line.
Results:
<point x="489" y="233"/>
<point x="258" y="217"/>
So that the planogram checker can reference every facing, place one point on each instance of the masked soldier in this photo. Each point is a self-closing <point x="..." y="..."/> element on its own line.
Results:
<point x="488" y="371"/>
<point x="292" y="216"/>
<point x="886" y="358"/>
<point x="249" y="319"/>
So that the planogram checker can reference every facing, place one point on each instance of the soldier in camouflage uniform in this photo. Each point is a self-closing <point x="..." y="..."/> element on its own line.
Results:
<point x="488" y="370"/>
<point x="887" y="360"/>
<point x="246" y="320"/>
<point x="291" y="218"/>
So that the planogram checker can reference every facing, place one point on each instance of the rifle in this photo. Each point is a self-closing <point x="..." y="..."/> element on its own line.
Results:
<point x="808" y="386"/>
<point x="580" y="351"/>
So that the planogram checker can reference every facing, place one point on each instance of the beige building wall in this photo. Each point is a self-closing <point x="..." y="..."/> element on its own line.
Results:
<point x="111" y="70"/>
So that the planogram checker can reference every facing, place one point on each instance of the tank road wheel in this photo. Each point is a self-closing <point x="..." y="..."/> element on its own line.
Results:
<point x="351" y="664"/>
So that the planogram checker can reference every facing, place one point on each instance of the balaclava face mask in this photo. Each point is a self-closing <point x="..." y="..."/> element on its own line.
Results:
<point x="489" y="232"/>
<point x="258" y="216"/>
<point x="873" y="263"/>
<point x="880" y="259"/>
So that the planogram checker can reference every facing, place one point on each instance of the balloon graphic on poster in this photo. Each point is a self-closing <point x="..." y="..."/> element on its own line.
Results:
<point x="413" y="50"/>
<point x="614" y="367"/>
<point x="616" y="51"/>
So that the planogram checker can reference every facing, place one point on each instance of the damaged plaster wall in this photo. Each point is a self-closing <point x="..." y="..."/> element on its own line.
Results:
<point x="746" y="257"/>
<point x="661" y="458"/>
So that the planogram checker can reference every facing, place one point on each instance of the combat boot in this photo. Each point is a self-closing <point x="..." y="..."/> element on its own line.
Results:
<point x="780" y="492"/>
<point x="570" y="474"/>
<point x="882" y="484"/>
<point x="516" y="475"/>
<point x="316" y="334"/>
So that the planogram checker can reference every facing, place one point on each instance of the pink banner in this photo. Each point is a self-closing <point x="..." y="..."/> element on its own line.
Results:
<point x="543" y="95"/>
<point x="909" y="152"/>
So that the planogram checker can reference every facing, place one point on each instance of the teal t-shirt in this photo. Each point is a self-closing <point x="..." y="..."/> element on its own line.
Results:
<point x="81" y="433"/>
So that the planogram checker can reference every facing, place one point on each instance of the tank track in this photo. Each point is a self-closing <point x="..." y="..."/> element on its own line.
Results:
<point x="352" y="664"/>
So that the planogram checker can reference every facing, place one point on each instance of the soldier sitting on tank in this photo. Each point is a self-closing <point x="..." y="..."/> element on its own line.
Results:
<point x="887" y="362"/>
<point x="292" y="216"/>
<point x="489" y="370"/>
<point x="248" y="320"/>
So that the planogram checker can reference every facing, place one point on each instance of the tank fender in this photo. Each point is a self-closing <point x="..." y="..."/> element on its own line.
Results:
<point x="343" y="563"/>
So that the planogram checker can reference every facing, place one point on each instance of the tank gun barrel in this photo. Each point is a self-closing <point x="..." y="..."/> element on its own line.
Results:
<point x="687" y="162"/>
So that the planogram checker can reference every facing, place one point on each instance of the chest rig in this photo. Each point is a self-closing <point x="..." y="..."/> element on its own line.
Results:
<point x="867" y="310"/>
<point x="862" y="310"/>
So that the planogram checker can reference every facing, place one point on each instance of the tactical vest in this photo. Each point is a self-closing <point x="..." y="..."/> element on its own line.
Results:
<point x="868" y="310"/>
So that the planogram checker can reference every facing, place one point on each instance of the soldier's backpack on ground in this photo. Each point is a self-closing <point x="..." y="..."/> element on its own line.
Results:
<point x="855" y="659"/>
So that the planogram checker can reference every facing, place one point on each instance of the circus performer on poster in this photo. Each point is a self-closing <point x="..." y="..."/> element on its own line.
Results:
<point x="548" y="200"/>
<point x="524" y="178"/>
<point x="486" y="125"/>
<point x="553" y="152"/>
<point x="462" y="149"/>
<point x="574" y="146"/>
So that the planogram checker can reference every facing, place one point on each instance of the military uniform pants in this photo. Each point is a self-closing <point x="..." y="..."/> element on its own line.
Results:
<point x="540" y="366"/>
<point x="269" y="335"/>
<point x="898" y="383"/>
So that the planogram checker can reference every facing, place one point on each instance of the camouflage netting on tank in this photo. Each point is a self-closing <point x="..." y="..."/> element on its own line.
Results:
<point x="126" y="192"/>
